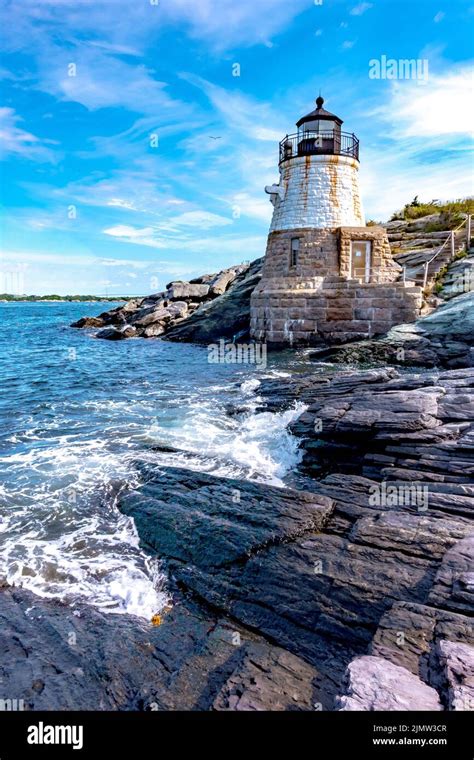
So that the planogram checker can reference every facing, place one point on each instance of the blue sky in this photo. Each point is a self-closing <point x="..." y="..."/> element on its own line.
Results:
<point x="111" y="179"/>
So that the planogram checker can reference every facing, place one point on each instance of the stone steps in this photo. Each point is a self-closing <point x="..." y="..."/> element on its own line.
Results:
<point x="459" y="278"/>
<point x="414" y="261"/>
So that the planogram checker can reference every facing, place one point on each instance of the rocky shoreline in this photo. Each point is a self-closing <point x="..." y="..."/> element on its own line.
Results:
<point x="205" y="309"/>
<point x="353" y="592"/>
<point x="351" y="588"/>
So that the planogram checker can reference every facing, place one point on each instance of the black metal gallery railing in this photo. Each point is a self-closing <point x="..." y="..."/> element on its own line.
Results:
<point x="319" y="143"/>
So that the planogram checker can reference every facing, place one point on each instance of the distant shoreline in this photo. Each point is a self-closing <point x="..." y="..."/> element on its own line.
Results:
<point x="65" y="299"/>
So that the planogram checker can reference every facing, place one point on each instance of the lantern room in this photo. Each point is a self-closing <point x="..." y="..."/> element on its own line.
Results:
<point x="319" y="133"/>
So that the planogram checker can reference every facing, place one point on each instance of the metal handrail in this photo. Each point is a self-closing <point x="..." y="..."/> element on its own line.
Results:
<point x="450" y="238"/>
<point x="310" y="143"/>
<point x="451" y="235"/>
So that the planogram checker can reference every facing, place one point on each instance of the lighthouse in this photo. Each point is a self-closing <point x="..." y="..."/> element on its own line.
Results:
<point x="319" y="176"/>
<point x="326" y="278"/>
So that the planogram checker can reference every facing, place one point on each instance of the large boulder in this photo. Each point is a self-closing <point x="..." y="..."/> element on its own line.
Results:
<point x="152" y="322"/>
<point x="225" y="317"/>
<point x="131" y="306"/>
<point x="113" y="333"/>
<point x="89" y="322"/>
<point x="373" y="683"/>
<point x="154" y="330"/>
<point x="219" y="284"/>
<point x="149" y="315"/>
<point x="181" y="290"/>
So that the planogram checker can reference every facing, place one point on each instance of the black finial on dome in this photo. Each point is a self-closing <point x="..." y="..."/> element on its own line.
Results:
<point x="319" y="101"/>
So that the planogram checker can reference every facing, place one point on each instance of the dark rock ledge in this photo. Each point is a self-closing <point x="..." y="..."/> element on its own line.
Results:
<point x="283" y="599"/>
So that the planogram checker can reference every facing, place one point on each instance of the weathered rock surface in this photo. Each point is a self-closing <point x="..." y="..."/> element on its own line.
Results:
<point x="113" y="333"/>
<point x="154" y="330"/>
<point x="385" y="425"/>
<point x="272" y="679"/>
<point x="425" y="240"/>
<point x="180" y="290"/>
<point x="458" y="662"/>
<point x="212" y="522"/>
<point x="377" y="684"/>
<point x="228" y="316"/>
<point x="320" y="589"/>
<point x="206" y="309"/>
<point x="356" y="591"/>
<point x="409" y="635"/>
<point x="56" y="657"/>
<point x="459" y="278"/>
<point x="89" y="322"/>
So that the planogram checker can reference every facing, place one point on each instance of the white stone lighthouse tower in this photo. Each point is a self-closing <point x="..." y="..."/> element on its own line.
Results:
<point x="326" y="276"/>
<point x="319" y="167"/>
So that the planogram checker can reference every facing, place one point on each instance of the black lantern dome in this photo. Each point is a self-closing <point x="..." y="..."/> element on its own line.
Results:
<point x="319" y="114"/>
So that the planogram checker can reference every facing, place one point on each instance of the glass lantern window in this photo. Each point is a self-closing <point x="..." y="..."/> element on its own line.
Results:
<point x="319" y="125"/>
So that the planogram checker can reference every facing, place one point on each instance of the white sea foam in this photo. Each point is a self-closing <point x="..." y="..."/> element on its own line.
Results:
<point x="61" y="533"/>
<point x="66" y="538"/>
<point x="248" y="386"/>
<point x="254" y="446"/>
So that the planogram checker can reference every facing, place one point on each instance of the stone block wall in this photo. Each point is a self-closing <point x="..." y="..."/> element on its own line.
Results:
<point x="383" y="267"/>
<point x="318" y="255"/>
<point x="323" y="252"/>
<point x="339" y="311"/>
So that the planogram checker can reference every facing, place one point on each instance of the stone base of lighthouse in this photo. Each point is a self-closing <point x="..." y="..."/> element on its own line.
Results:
<point x="316" y="299"/>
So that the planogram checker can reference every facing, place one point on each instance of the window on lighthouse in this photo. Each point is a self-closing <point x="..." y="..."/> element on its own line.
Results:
<point x="320" y="125"/>
<point x="295" y="247"/>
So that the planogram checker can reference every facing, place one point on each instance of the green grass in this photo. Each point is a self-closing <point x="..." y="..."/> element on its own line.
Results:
<point x="450" y="210"/>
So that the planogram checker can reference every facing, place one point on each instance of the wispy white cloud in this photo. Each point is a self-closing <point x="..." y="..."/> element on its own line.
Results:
<point x="20" y="142"/>
<point x="229" y="23"/>
<point x="221" y="25"/>
<point x="406" y="178"/>
<point x="427" y="147"/>
<point x="440" y="108"/>
<point x="361" y="8"/>
<point x="173" y="233"/>
<point x="201" y="220"/>
<point x="217" y="245"/>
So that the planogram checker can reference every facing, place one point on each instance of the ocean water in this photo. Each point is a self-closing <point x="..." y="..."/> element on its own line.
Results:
<point x="77" y="414"/>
